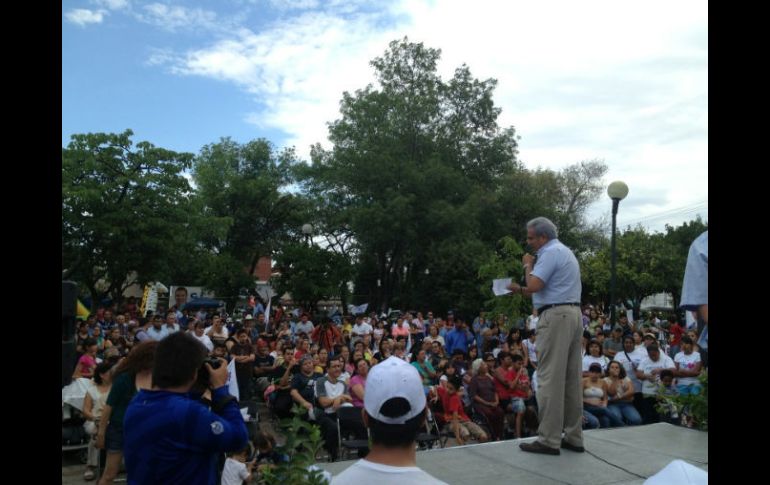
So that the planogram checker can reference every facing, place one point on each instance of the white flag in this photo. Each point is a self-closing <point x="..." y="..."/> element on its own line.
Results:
<point x="232" y="380"/>
<point x="355" y="310"/>
<point x="267" y="315"/>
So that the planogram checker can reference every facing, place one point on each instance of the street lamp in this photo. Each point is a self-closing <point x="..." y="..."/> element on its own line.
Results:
<point x="617" y="191"/>
<point x="307" y="230"/>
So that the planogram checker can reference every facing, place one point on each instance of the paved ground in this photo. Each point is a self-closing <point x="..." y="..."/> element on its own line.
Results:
<point x="622" y="456"/>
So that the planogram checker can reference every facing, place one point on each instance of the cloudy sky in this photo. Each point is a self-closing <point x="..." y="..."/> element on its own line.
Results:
<point x="626" y="82"/>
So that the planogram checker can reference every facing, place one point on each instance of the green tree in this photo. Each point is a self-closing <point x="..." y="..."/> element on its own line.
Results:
<point x="413" y="178"/>
<point x="504" y="263"/>
<point x="124" y="212"/>
<point x="311" y="274"/>
<point x="643" y="260"/>
<point x="243" y="188"/>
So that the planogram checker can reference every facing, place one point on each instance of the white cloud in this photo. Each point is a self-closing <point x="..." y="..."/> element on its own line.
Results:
<point x="82" y="16"/>
<point x="113" y="4"/>
<point x="173" y="18"/>
<point x="614" y="80"/>
<point x="294" y="4"/>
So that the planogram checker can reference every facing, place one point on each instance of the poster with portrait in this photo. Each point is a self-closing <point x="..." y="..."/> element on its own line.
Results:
<point x="178" y="295"/>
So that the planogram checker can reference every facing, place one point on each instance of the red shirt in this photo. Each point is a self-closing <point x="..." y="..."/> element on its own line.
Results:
<point x="504" y="391"/>
<point x="451" y="404"/>
<point x="676" y="331"/>
<point x="523" y="378"/>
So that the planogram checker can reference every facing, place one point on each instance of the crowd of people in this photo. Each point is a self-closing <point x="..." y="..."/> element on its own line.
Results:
<point x="479" y="375"/>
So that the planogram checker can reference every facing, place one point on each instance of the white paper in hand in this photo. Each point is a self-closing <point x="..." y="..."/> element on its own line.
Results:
<point x="499" y="287"/>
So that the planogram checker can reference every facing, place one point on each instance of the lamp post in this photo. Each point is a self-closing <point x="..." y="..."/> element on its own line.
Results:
<point x="617" y="191"/>
<point x="307" y="230"/>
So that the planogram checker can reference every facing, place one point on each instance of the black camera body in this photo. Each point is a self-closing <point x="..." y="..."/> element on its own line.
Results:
<point x="204" y="379"/>
<point x="213" y="362"/>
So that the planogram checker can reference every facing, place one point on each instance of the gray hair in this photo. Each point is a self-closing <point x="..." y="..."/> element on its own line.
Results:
<point x="543" y="227"/>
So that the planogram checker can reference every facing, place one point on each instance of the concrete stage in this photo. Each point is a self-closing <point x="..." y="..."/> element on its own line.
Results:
<point x="640" y="450"/>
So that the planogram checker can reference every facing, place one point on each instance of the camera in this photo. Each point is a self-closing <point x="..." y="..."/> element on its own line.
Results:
<point x="204" y="379"/>
<point x="213" y="362"/>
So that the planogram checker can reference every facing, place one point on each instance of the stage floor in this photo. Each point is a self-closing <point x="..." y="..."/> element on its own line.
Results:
<point x="637" y="453"/>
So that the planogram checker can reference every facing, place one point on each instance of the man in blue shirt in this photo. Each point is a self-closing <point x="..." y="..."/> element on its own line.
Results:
<point x="459" y="338"/>
<point x="169" y="435"/>
<point x="554" y="284"/>
<point x="695" y="288"/>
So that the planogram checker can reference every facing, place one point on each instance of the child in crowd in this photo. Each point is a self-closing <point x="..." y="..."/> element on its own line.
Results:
<point x="267" y="455"/>
<point x="454" y="413"/>
<point x="237" y="469"/>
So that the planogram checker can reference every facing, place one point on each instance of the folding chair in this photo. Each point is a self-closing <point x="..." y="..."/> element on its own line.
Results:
<point x="431" y="435"/>
<point x="345" y="444"/>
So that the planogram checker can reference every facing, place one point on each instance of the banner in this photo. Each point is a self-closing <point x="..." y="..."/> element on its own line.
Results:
<point x="232" y="380"/>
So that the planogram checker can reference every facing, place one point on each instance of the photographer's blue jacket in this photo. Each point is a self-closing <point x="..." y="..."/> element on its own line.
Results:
<point x="171" y="437"/>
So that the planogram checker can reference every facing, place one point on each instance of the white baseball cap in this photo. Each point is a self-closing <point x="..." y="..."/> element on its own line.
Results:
<point x="392" y="378"/>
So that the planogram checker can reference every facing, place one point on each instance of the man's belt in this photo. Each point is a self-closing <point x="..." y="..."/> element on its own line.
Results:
<point x="546" y="307"/>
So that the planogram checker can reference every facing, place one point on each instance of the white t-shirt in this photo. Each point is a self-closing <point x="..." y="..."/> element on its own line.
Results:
<point x="687" y="362"/>
<point x="205" y="340"/>
<point x="234" y="473"/>
<point x="590" y="359"/>
<point x="650" y="387"/>
<point x="637" y="356"/>
<point x="531" y="350"/>
<point x="362" y="329"/>
<point x="364" y="471"/>
<point x="325" y="388"/>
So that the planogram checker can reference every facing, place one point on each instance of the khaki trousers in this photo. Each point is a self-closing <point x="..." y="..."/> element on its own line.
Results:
<point x="559" y="372"/>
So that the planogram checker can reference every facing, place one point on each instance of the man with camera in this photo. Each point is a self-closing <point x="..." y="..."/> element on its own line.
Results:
<point x="171" y="437"/>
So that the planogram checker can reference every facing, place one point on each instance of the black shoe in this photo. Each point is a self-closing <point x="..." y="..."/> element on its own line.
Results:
<point x="537" y="447"/>
<point x="576" y="449"/>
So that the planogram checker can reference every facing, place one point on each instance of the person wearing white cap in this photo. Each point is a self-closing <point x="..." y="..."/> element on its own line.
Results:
<point x="394" y="411"/>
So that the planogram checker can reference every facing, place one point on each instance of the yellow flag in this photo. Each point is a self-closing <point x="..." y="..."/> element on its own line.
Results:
<point x="82" y="312"/>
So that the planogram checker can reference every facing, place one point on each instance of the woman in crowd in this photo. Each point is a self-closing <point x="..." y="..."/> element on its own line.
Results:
<point x="593" y="322"/>
<point x="433" y="335"/>
<point x="279" y="344"/>
<point x="344" y="375"/>
<point x="595" y="397"/>
<point x="694" y="337"/>
<point x="384" y="353"/>
<point x="515" y="345"/>
<point x="425" y="368"/>
<point x="400" y="328"/>
<point x="485" y="399"/>
<point x="688" y="367"/>
<point x="358" y="383"/>
<point x="620" y="390"/>
<point x="116" y="341"/>
<point x="87" y="362"/>
<point x="133" y="373"/>
<point x="96" y="398"/>
<point x="594" y="356"/>
<point x="473" y="354"/>
<point x="638" y="339"/>
<point x="321" y="361"/>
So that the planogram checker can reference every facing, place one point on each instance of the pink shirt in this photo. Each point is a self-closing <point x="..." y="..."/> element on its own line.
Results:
<point x="398" y="331"/>
<point x="87" y="365"/>
<point x="357" y="379"/>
